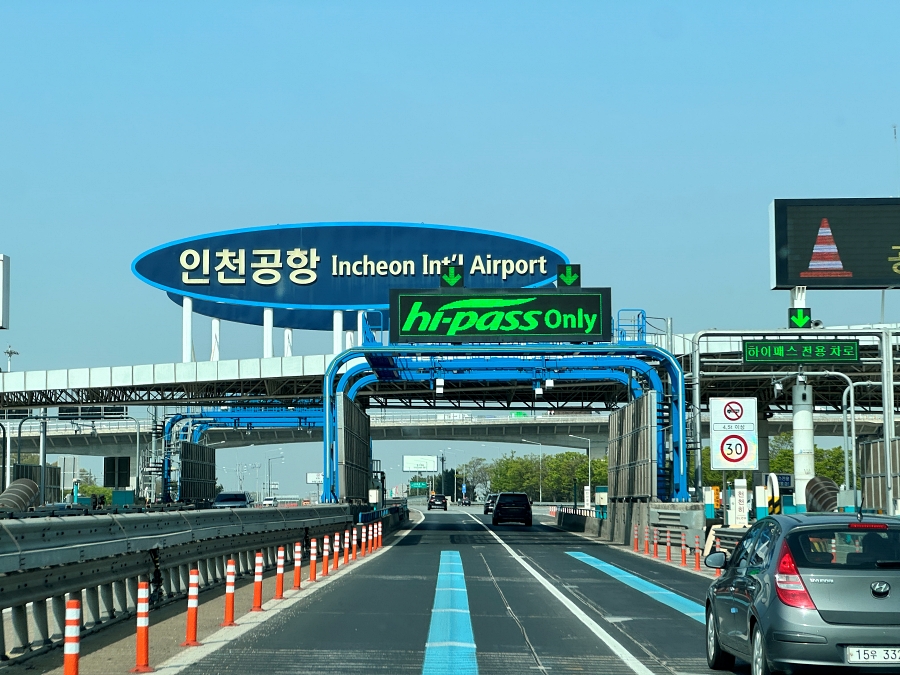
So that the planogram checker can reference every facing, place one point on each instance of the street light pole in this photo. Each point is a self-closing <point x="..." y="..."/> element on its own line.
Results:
<point x="582" y="438"/>
<point x="540" y="470"/>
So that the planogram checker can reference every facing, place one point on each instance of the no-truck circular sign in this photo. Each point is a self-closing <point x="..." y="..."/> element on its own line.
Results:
<point x="734" y="448"/>
<point x="733" y="411"/>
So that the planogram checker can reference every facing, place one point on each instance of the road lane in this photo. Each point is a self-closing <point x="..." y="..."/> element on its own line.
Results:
<point x="377" y="618"/>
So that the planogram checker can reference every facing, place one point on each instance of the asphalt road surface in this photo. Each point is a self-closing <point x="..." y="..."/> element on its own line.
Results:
<point x="457" y="595"/>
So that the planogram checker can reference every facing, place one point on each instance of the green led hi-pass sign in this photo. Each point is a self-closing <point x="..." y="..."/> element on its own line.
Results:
<point x="524" y="315"/>
<point x="801" y="351"/>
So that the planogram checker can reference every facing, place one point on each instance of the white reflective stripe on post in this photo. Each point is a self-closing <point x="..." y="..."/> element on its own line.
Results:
<point x="71" y="647"/>
<point x="143" y="621"/>
<point x="73" y="614"/>
<point x="72" y="631"/>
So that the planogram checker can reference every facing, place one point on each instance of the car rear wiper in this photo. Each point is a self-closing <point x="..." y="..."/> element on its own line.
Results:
<point x="888" y="564"/>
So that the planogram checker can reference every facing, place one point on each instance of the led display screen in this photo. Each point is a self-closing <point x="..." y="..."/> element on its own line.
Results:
<point x="835" y="243"/>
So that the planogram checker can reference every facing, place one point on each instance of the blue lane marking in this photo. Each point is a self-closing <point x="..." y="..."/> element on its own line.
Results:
<point x="687" y="607"/>
<point x="450" y="649"/>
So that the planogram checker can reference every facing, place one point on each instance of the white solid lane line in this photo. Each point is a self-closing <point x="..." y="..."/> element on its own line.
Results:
<point x="616" y="647"/>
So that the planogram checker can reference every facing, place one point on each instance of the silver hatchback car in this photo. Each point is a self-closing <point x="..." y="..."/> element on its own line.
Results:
<point x="817" y="589"/>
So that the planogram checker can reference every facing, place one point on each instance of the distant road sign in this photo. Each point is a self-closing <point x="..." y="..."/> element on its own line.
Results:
<point x="420" y="463"/>
<point x="418" y="485"/>
<point x="801" y="351"/>
<point x="315" y="478"/>
<point x="733" y="435"/>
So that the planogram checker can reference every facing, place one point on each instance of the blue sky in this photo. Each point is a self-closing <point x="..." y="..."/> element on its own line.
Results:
<point x="645" y="140"/>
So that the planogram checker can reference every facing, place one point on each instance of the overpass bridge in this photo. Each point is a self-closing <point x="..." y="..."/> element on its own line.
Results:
<point x="109" y="437"/>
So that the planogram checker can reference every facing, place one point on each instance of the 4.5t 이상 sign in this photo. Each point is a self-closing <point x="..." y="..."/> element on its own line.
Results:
<point x="733" y="438"/>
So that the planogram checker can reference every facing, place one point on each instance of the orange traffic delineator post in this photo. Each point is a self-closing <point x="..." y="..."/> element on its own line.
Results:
<point x="325" y="552"/>
<point x="655" y="542"/>
<point x="825" y="261"/>
<point x="362" y="551"/>
<point x="346" y="546"/>
<point x="229" y="594"/>
<point x="354" y="543"/>
<point x="683" y="549"/>
<point x="337" y="549"/>
<point x="697" y="552"/>
<point x="142" y="662"/>
<point x="312" y="560"/>
<point x="371" y="539"/>
<point x="279" y="575"/>
<point x="668" y="546"/>
<point x="298" y="563"/>
<point x="380" y="541"/>
<point x="72" y="645"/>
<point x="646" y="540"/>
<point x="635" y="538"/>
<point x="190" y="639"/>
<point x="257" y="583"/>
<point x="718" y="547"/>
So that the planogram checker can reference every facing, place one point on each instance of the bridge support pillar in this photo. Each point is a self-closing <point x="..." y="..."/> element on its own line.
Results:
<point x="804" y="443"/>
<point x="107" y="608"/>
<point x="120" y="597"/>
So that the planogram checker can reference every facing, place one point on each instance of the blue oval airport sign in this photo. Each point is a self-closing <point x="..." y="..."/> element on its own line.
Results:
<point x="327" y="266"/>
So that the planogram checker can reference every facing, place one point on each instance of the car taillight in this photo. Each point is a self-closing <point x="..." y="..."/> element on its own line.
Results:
<point x="788" y="584"/>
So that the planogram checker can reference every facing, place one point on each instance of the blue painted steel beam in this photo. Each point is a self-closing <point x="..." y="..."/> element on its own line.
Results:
<point x="636" y="352"/>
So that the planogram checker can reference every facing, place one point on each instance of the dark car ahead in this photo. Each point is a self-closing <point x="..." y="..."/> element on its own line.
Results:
<point x="512" y="507"/>
<point x="437" y="502"/>
<point x="232" y="500"/>
<point x="489" y="503"/>
<point x="817" y="589"/>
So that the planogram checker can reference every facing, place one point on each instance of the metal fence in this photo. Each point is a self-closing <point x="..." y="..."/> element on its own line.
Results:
<point x="100" y="559"/>
<point x="872" y="463"/>
<point x="632" y="450"/>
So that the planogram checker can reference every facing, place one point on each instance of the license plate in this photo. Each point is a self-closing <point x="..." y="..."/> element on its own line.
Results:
<point x="873" y="654"/>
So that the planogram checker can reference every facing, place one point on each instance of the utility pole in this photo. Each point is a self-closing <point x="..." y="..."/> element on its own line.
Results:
<point x="442" y="472"/>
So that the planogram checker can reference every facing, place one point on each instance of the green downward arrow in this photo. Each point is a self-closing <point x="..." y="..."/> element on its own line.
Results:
<point x="569" y="277"/>
<point x="452" y="277"/>
<point x="800" y="319"/>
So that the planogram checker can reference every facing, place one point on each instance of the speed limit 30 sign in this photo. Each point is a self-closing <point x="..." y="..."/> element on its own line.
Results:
<point x="733" y="438"/>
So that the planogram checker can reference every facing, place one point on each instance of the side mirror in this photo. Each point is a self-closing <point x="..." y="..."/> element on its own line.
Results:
<point x="716" y="560"/>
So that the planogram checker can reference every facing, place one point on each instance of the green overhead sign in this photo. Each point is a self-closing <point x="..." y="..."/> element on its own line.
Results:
<point x="417" y="485"/>
<point x="487" y="315"/>
<point x="801" y="351"/>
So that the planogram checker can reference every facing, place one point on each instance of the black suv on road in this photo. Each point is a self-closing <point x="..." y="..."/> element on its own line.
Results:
<point x="512" y="507"/>
<point x="437" y="502"/>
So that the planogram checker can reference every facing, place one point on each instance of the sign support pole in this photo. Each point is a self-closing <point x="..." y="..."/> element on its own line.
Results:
<point x="268" y="330"/>
<point x="337" y="344"/>
<point x="288" y="341"/>
<point x="887" y="394"/>
<point x="187" y="314"/>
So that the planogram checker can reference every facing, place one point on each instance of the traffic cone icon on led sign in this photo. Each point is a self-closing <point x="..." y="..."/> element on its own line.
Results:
<point x="825" y="261"/>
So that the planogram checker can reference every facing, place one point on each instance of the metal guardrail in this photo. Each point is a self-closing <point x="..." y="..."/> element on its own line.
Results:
<point x="372" y="516"/>
<point x="100" y="559"/>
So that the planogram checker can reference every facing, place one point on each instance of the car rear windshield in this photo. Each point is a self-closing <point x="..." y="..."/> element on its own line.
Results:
<point x="847" y="546"/>
<point x="230" y="497"/>
<point x="518" y="500"/>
